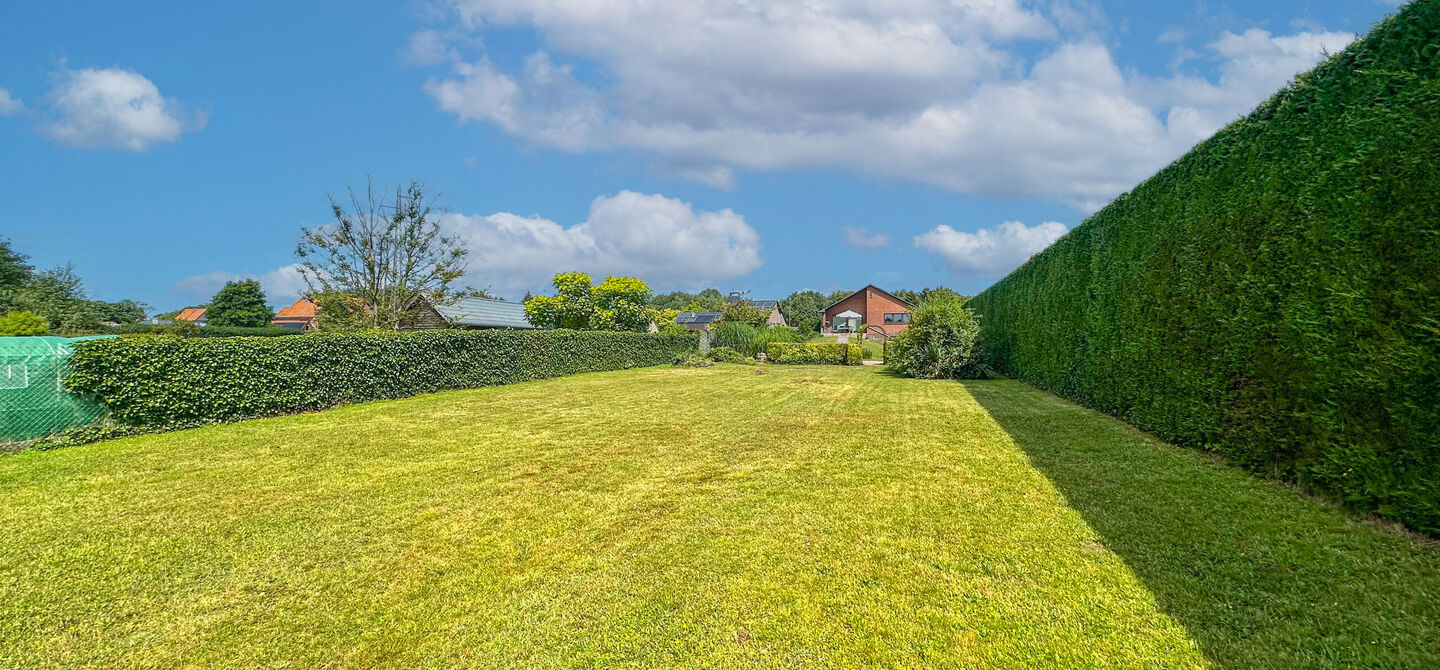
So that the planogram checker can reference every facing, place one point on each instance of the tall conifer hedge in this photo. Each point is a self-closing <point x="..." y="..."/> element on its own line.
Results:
<point x="1274" y="294"/>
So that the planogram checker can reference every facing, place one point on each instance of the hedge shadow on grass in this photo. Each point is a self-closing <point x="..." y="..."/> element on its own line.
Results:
<point x="1258" y="574"/>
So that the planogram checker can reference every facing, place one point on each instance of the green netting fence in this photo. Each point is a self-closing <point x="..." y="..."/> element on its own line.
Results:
<point x="33" y="400"/>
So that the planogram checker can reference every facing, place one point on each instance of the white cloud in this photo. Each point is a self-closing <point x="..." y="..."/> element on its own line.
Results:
<point x="1254" y="65"/>
<point x="923" y="90"/>
<point x="8" y="105"/>
<point x="115" y="108"/>
<point x="661" y="240"/>
<point x="862" y="238"/>
<point x="989" y="252"/>
<point x="282" y="285"/>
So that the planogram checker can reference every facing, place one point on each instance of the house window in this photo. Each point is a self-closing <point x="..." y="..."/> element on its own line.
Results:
<point x="902" y="317"/>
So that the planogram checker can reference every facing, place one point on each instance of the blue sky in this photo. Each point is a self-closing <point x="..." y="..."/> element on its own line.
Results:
<point x="166" y="147"/>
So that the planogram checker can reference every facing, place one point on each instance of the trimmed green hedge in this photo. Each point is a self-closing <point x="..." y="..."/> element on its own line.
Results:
<point x="164" y="381"/>
<point x="1274" y="294"/>
<point x="814" y="353"/>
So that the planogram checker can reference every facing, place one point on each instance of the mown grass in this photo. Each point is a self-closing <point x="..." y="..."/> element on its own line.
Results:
<point x="804" y="517"/>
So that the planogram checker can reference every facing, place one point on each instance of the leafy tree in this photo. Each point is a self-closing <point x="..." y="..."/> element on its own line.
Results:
<point x="618" y="303"/>
<point x="942" y="342"/>
<point x="917" y="297"/>
<point x="58" y="296"/>
<point x="15" y="273"/>
<point x="17" y="324"/>
<point x="802" y="310"/>
<point x="837" y="296"/>
<point x="622" y="303"/>
<point x="338" y="311"/>
<point x="664" y="318"/>
<point x="711" y="299"/>
<point x="239" y="303"/>
<point x="385" y="260"/>
<point x="741" y="311"/>
<point x="708" y="300"/>
<point x="122" y="312"/>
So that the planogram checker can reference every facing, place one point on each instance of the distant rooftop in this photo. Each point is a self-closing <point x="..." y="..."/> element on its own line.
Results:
<point x="698" y="317"/>
<point x="485" y="313"/>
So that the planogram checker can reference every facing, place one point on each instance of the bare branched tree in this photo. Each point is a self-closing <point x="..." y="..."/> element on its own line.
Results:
<point x="381" y="255"/>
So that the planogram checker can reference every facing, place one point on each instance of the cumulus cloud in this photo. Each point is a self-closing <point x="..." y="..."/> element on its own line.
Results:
<point x="1254" y="64"/>
<point x="282" y="285"/>
<point x="863" y="238"/>
<point x="9" y="105"/>
<point x="989" y="252"/>
<point x="925" y="90"/>
<point x="115" y="108"/>
<point x="661" y="240"/>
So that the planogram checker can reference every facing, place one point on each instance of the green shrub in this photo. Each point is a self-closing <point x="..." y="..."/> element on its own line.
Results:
<point x="725" y="355"/>
<point x="694" y="361"/>
<point x="814" y="353"/>
<point x="1274" y="294"/>
<point x="675" y="330"/>
<point x="739" y="336"/>
<point x="21" y="324"/>
<point x="942" y="342"/>
<point x="175" y="381"/>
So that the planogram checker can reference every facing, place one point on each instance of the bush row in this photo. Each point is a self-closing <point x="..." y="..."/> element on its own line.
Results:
<point x="1275" y="293"/>
<point x="814" y="353"/>
<point x="175" y="381"/>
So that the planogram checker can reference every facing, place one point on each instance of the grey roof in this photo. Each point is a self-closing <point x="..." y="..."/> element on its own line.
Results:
<point x="698" y="317"/>
<point x="484" y="313"/>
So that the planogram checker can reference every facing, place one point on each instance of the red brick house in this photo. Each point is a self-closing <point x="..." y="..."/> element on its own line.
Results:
<point x="870" y="306"/>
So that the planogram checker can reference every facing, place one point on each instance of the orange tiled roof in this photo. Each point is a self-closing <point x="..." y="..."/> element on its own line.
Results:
<point x="190" y="314"/>
<point x="302" y="309"/>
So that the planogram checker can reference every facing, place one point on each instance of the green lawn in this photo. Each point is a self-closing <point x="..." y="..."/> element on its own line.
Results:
<point x="804" y="517"/>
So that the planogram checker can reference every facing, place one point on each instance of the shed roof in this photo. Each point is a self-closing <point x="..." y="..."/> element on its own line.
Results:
<point x="698" y="317"/>
<point x="190" y="314"/>
<point x="484" y="313"/>
<point x="301" y="309"/>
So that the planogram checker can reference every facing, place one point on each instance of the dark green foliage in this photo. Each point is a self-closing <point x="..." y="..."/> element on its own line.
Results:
<point x="725" y="355"/>
<point x="158" y="381"/>
<point x="814" y="353"/>
<point x="15" y="272"/>
<point x="57" y="295"/>
<point x="942" y="342"/>
<point x="1273" y="295"/>
<point x="741" y="311"/>
<point x="239" y="304"/>
<point x="709" y="300"/>
<point x="801" y="310"/>
<point x="917" y="297"/>
<point x="183" y="329"/>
